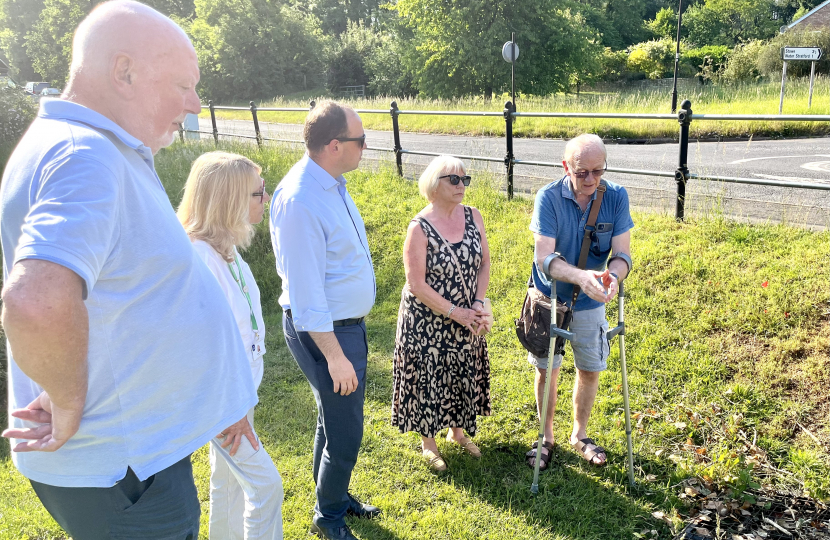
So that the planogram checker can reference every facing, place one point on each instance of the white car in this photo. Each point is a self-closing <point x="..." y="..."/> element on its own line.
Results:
<point x="49" y="93"/>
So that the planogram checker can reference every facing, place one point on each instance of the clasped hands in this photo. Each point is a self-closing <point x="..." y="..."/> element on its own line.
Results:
<point x="475" y="319"/>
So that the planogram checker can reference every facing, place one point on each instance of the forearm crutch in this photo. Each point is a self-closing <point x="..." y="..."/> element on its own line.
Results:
<point x="557" y="344"/>
<point x="620" y="330"/>
<point x="557" y="341"/>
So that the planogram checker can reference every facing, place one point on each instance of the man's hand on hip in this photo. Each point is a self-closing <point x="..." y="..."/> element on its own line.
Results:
<point x="57" y="425"/>
<point x="343" y="374"/>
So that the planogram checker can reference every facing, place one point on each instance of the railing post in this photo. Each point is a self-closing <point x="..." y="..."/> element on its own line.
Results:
<point x="181" y="133"/>
<point x="213" y="122"/>
<point x="508" y="133"/>
<point x="311" y="104"/>
<point x="256" y="125"/>
<point x="396" y="133"/>
<point x="681" y="175"/>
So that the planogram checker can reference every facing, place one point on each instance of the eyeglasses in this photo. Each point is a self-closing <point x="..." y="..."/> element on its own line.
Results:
<point x="597" y="173"/>
<point x="455" y="179"/>
<point x="260" y="193"/>
<point x="361" y="139"/>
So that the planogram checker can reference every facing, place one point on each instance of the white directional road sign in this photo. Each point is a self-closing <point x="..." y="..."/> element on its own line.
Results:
<point x="801" y="53"/>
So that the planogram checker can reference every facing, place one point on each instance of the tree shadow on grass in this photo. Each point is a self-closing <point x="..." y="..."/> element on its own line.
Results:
<point x="575" y="499"/>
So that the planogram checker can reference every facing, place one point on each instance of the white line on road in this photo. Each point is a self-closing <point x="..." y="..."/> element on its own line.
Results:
<point x="747" y="160"/>
<point x="820" y="166"/>
<point x="791" y="178"/>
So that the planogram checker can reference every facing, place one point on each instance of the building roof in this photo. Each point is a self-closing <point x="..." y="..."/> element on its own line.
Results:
<point x="825" y="15"/>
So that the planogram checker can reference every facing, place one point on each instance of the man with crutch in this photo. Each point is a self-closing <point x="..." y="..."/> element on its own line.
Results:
<point x="562" y="219"/>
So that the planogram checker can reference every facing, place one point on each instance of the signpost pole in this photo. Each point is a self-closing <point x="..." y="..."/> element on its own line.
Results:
<point x="783" y="80"/>
<point x="812" y="77"/>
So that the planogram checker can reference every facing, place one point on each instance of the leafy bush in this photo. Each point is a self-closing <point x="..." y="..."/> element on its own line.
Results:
<point x="742" y="64"/>
<point x="16" y="113"/>
<point x="713" y="57"/>
<point x="769" y="58"/>
<point x="653" y="58"/>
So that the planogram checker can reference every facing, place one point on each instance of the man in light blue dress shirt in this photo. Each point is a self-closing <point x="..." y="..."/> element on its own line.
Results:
<point x="328" y="287"/>
<point x="124" y="354"/>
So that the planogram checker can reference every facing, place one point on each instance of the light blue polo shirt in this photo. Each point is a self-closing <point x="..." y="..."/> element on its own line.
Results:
<point x="167" y="367"/>
<point x="556" y="214"/>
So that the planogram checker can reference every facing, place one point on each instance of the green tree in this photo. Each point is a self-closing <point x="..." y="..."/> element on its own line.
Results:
<point x="619" y="22"/>
<point x="254" y="49"/>
<point x="16" y="18"/>
<point x="727" y="22"/>
<point x="664" y="24"/>
<point x="456" y="45"/>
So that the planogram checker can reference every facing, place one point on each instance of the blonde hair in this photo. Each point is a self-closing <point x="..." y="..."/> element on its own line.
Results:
<point x="216" y="201"/>
<point x="578" y="144"/>
<point x="428" y="182"/>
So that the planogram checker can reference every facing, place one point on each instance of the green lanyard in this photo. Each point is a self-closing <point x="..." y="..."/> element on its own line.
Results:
<point x="244" y="288"/>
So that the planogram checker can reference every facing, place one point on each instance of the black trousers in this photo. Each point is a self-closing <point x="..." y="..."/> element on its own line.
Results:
<point x="162" y="507"/>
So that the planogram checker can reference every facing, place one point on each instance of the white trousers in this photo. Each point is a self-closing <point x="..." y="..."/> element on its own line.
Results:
<point x="245" y="492"/>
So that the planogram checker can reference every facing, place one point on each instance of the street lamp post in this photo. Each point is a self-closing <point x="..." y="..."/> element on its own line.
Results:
<point x="676" y="58"/>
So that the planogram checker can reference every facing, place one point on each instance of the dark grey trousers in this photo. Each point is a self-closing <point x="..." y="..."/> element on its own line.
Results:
<point x="339" y="418"/>
<point x="163" y="507"/>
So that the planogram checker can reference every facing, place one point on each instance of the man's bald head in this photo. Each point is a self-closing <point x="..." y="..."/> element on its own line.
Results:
<point x="122" y="26"/>
<point x="583" y="144"/>
<point x="137" y="67"/>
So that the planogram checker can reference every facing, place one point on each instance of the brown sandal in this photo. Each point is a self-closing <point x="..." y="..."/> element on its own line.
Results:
<point x="435" y="461"/>
<point x="588" y="454"/>
<point x="465" y="443"/>
<point x="544" y="458"/>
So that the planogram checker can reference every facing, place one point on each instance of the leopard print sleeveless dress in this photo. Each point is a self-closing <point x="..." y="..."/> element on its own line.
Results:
<point x="441" y="370"/>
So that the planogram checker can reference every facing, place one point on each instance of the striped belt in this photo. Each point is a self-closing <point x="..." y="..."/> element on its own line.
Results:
<point x="342" y="322"/>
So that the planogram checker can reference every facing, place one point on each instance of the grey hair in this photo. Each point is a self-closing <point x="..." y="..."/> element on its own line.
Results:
<point x="578" y="144"/>
<point x="428" y="182"/>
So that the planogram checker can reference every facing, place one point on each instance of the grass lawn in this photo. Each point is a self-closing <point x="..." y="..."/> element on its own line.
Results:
<point x="759" y="99"/>
<point x="727" y="345"/>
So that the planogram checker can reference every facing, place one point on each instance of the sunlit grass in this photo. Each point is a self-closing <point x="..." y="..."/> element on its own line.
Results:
<point x="757" y="99"/>
<point x="727" y="336"/>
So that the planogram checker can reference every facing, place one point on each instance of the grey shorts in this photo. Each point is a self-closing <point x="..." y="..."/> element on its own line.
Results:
<point x="590" y="344"/>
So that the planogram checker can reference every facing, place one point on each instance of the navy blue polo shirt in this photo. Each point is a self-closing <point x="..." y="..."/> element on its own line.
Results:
<point x="556" y="214"/>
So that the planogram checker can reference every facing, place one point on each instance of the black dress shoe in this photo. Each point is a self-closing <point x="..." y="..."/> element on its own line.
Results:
<point x="361" y="510"/>
<point x="332" y="533"/>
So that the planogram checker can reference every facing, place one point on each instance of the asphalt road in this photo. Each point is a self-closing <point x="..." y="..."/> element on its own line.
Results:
<point x="793" y="160"/>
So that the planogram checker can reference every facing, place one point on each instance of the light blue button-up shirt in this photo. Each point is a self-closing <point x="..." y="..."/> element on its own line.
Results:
<point x="321" y="249"/>
<point x="167" y="367"/>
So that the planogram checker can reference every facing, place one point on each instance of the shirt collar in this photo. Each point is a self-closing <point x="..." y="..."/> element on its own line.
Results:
<point x="567" y="190"/>
<point x="323" y="178"/>
<point x="60" y="109"/>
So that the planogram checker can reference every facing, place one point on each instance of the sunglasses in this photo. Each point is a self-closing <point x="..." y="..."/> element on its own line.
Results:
<point x="455" y="179"/>
<point x="361" y="139"/>
<point x="582" y="175"/>
<point x="260" y="193"/>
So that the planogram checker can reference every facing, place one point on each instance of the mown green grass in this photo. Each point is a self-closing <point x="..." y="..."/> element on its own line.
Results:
<point x="757" y="99"/>
<point x="715" y="359"/>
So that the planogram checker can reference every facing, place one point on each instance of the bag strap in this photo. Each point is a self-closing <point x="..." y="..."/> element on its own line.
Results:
<point x="590" y="226"/>
<point x="452" y="251"/>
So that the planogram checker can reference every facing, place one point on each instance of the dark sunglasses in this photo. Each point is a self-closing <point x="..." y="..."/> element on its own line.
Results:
<point x="455" y="179"/>
<point x="361" y="139"/>
<point x="260" y="193"/>
<point x="582" y="175"/>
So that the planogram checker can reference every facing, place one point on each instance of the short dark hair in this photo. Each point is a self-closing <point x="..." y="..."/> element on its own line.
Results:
<point x="326" y="121"/>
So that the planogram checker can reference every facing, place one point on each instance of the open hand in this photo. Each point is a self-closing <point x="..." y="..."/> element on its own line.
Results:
<point x="57" y="425"/>
<point x="233" y="435"/>
<point x="590" y="285"/>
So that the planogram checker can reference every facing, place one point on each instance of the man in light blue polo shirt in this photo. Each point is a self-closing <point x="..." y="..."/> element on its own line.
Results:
<point x="328" y="287"/>
<point x="124" y="354"/>
<point x="560" y="214"/>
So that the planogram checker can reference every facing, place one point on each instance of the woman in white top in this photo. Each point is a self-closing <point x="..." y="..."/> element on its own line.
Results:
<point x="223" y="198"/>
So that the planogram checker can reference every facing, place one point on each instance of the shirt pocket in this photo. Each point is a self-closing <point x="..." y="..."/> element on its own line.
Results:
<point x="601" y="239"/>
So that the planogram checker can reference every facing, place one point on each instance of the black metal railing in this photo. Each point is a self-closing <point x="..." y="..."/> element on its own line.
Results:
<point x="681" y="174"/>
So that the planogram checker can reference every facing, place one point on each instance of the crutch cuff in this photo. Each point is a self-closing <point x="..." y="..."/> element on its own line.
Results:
<point x="625" y="257"/>
<point x="549" y="260"/>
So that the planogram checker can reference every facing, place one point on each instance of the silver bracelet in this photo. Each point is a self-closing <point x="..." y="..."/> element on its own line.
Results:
<point x="452" y="308"/>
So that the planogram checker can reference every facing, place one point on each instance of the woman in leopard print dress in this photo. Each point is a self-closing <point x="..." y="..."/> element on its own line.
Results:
<point x="441" y="367"/>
